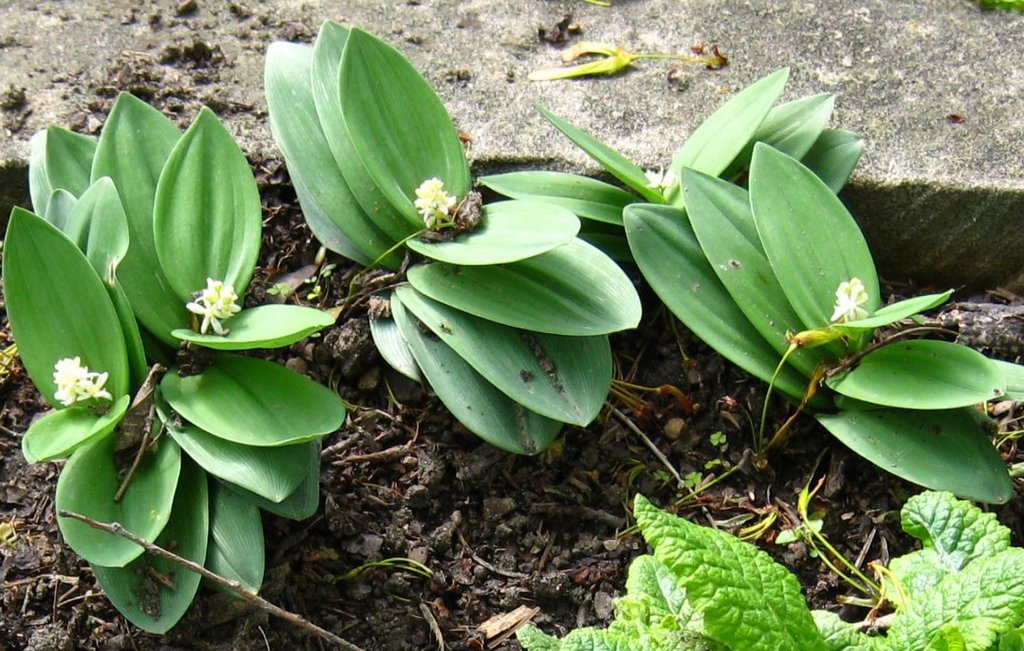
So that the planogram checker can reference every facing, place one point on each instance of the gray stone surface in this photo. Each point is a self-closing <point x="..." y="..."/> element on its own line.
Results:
<point x="941" y="199"/>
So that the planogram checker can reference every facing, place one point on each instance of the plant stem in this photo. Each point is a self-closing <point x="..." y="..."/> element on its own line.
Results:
<point x="622" y="418"/>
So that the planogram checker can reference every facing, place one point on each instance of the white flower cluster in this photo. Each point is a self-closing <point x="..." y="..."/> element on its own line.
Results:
<point x="76" y="382"/>
<point x="433" y="203"/>
<point x="215" y="304"/>
<point x="850" y="297"/>
<point x="661" y="179"/>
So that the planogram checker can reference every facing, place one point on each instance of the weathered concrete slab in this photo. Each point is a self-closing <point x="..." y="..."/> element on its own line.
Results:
<point x="935" y="86"/>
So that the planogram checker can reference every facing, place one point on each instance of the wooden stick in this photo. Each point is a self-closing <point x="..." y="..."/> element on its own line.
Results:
<point x="236" y="587"/>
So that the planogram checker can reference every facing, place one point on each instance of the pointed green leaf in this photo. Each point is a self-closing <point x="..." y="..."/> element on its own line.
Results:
<point x="254" y="402"/>
<point x="942" y="450"/>
<point x="61" y="207"/>
<point x="69" y="158"/>
<point x="271" y="472"/>
<point x="509" y="231"/>
<point x="897" y="311"/>
<point x="236" y="548"/>
<point x="585" y="197"/>
<point x="671" y="259"/>
<point x="207" y="217"/>
<point x="834" y="156"/>
<point x="810" y="239"/>
<point x="572" y="290"/>
<point x="58" y="306"/>
<point x="1014" y="376"/>
<point x="392" y="347"/>
<point x="39" y="187"/>
<point x="154" y="605"/>
<point x="608" y="238"/>
<point x="61" y="432"/>
<point x="921" y="374"/>
<point x="303" y="502"/>
<point x="475" y="402"/>
<point x="87" y="486"/>
<point x="563" y="378"/>
<point x="264" y="326"/>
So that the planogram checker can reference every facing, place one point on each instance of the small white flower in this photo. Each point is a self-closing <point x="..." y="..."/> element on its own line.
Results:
<point x="661" y="179"/>
<point x="850" y="297"/>
<point x="76" y="382"/>
<point x="215" y="304"/>
<point x="433" y="203"/>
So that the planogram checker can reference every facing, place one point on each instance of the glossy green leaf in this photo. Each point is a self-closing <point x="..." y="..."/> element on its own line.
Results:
<point x="236" y="549"/>
<point x="897" y="312"/>
<point x="39" y="187"/>
<point x="271" y="472"/>
<point x="1013" y="374"/>
<point x="303" y="502"/>
<point x="723" y="135"/>
<point x="254" y="402"/>
<point x="58" y="306"/>
<point x="572" y="290"/>
<point x="60" y="208"/>
<point x="134" y="590"/>
<point x="509" y="231"/>
<point x="563" y="378"/>
<point x="921" y="374"/>
<point x="87" y="486"/>
<point x="132" y="149"/>
<point x="69" y="157"/>
<point x="207" y="217"/>
<point x="398" y="125"/>
<point x="607" y="238"/>
<point x="475" y="402"/>
<point x="327" y="203"/>
<point x="810" y="239"/>
<point x="942" y="450"/>
<point x="392" y="347"/>
<point x="377" y="213"/>
<point x="671" y="259"/>
<point x="585" y="197"/>
<point x="61" y="432"/>
<point x="833" y="157"/>
<point x="612" y="161"/>
<point x="264" y="326"/>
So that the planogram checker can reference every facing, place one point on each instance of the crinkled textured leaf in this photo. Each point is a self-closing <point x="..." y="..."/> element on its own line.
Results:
<point x="87" y="485"/>
<point x="747" y="600"/>
<point x="392" y="347"/>
<point x="533" y="639"/>
<point x="509" y="231"/>
<point x="61" y="432"/>
<point x="563" y="378"/>
<point x="254" y="402"/>
<point x="264" y="326"/>
<point x="657" y="598"/>
<point x="58" y="306"/>
<point x="897" y="311"/>
<point x="303" y="502"/>
<point x="236" y="548"/>
<point x="207" y="217"/>
<point x="271" y="472"/>
<point x="834" y="155"/>
<point x="1014" y="376"/>
<point x="843" y="636"/>
<point x="940" y="449"/>
<point x="572" y="290"/>
<point x="69" y="157"/>
<point x="671" y="259"/>
<point x="150" y="604"/>
<point x="584" y="196"/>
<point x="921" y="374"/>
<point x="478" y="404"/>
<point x="810" y="239"/>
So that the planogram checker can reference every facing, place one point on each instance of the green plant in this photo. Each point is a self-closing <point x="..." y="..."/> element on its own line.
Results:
<point x="1007" y="5"/>
<point x="500" y="307"/>
<point x="150" y="226"/>
<point x="705" y="590"/>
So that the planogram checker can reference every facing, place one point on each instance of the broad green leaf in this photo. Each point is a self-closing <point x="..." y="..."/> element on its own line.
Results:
<point x="897" y="311"/>
<point x="207" y="217"/>
<point x="87" y="486"/>
<point x="719" y="213"/>
<point x="834" y="155"/>
<point x="303" y="502"/>
<point x="586" y="197"/>
<point x="946" y="450"/>
<point x="671" y="259"/>
<point x="236" y="549"/>
<point x="135" y="590"/>
<point x="132" y="149"/>
<point x="392" y="347"/>
<point x="921" y="374"/>
<point x="264" y="326"/>
<point x="69" y="157"/>
<point x="375" y="209"/>
<point x="655" y="594"/>
<point x="254" y="402"/>
<point x="61" y="432"/>
<point x="271" y="472"/>
<point x="572" y="290"/>
<point x="843" y="636"/>
<point x="1014" y="376"/>
<point x="810" y="239"/>
<point x="398" y="125"/>
<point x="563" y="378"/>
<point x="723" y="135"/>
<point x="509" y="231"/>
<point x="609" y="239"/>
<point x="60" y="208"/>
<point x="533" y="639"/>
<point x="746" y="599"/>
<point x="39" y="187"/>
<point x="612" y="161"/>
<point x="58" y="306"/>
<point x="475" y="402"/>
<point x="331" y="211"/>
